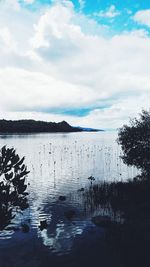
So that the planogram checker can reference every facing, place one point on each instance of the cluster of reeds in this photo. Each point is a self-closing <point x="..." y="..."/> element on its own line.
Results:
<point x="124" y="198"/>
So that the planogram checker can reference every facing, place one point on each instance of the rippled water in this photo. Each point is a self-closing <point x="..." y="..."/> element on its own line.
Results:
<point x="59" y="164"/>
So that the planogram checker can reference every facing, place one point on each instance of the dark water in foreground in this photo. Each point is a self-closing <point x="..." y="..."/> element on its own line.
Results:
<point x="60" y="164"/>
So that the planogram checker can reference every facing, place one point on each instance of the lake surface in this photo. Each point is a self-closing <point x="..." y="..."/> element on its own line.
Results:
<point x="60" y="164"/>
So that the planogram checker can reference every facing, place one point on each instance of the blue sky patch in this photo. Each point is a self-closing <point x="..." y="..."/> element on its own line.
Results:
<point x="117" y="15"/>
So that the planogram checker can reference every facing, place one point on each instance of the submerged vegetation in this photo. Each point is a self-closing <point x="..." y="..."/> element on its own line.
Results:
<point x="13" y="195"/>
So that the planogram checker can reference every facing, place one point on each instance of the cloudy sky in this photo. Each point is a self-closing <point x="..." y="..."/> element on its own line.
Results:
<point x="86" y="62"/>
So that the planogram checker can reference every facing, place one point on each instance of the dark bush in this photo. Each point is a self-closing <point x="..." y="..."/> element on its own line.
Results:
<point x="135" y="142"/>
<point x="13" y="195"/>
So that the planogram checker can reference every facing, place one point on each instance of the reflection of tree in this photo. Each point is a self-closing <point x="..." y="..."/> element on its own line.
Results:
<point x="13" y="195"/>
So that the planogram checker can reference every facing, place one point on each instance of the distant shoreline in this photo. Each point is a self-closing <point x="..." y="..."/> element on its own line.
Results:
<point x="36" y="133"/>
<point x="33" y="127"/>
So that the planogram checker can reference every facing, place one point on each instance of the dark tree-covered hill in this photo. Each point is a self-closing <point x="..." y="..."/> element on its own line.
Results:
<point x="32" y="126"/>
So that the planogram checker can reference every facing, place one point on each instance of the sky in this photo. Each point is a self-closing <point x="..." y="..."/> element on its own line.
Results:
<point x="83" y="61"/>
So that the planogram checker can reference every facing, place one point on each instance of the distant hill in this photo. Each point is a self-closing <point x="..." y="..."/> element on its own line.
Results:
<point x="90" y="129"/>
<point x="32" y="126"/>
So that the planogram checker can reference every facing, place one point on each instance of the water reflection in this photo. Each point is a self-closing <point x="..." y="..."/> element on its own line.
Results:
<point x="64" y="221"/>
<point x="60" y="165"/>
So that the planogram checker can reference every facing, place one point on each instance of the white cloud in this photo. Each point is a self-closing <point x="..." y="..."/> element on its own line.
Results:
<point x="7" y="39"/>
<point x="29" y="1"/>
<point x="129" y="12"/>
<point x="50" y="62"/>
<point x="111" y="12"/>
<point x="143" y="17"/>
<point x="12" y="4"/>
<point x="38" y="91"/>
<point x="82" y="4"/>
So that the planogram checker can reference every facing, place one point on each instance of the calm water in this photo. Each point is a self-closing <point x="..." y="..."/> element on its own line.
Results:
<point x="60" y="164"/>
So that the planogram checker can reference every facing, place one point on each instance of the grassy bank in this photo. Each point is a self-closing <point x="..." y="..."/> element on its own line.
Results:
<point x="127" y="206"/>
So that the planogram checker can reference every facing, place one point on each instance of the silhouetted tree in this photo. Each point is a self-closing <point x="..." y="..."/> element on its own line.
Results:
<point x="13" y="193"/>
<point x="135" y="142"/>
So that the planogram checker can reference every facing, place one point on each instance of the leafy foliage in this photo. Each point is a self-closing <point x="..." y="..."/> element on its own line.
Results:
<point x="13" y="195"/>
<point x="135" y="142"/>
